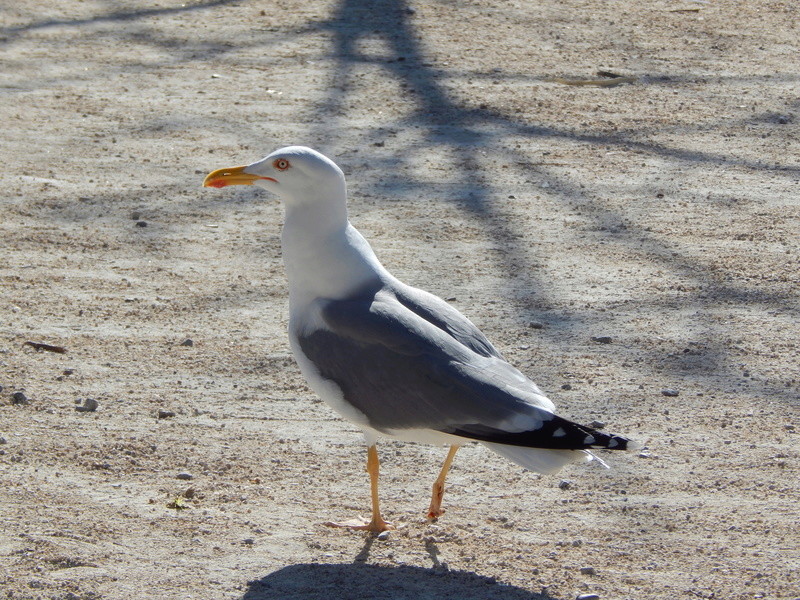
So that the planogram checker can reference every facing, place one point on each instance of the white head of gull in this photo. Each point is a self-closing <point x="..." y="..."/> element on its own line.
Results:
<point x="395" y="360"/>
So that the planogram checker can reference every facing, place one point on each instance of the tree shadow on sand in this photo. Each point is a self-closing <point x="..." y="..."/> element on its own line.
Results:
<point x="367" y="582"/>
<point x="468" y="131"/>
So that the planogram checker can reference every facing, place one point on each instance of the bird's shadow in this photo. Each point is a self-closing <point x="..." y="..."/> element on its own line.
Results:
<point x="359" y="581"/>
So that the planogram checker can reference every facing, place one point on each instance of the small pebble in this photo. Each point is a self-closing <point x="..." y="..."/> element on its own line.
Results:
<point x="185" y="476"/>
<point x="565" y="484"/>
<point x="603" y="339"/>
<point x="141" y="223"/>
<point x="187" y="342"/>
<point x="19" y="398"/>
<point x="249" y="542"/>
<point x="135" y="216"/>
<point x="588" y="597"/>
<point x="566" y="386"/>
<point x="165" y="414"/>
<point x="588" y="571"/>
<point x="3" y="441"/>
<point x="597" y="424"/>
<point x="189" y="494"/>
<point x="383" y="535"/>
<point x="536" y="325"/>
<point x="669" y="392"/>
<point x="89" y="405"/>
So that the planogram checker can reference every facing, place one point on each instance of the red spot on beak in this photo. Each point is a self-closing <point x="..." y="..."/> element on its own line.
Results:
<point x="217" y="183"/>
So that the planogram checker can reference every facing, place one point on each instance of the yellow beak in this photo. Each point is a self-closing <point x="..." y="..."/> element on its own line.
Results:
<point x="231" y="176"/>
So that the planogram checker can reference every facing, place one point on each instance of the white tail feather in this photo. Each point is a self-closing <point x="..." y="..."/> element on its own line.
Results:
<point x="541" y="460"/>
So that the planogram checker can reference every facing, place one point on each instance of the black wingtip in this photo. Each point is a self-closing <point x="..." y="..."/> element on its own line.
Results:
<point x="609" y="441"/>
<point x="556" y="433"/>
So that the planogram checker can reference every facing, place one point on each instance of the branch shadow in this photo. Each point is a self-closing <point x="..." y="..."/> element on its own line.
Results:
<point x="111" y="17"/>
<point x="447" y="120"/>
<point x="464" y="129"/>
<point x="314" y="581"/>
<point x="136" y="27"/>
<point x="467" y="131"/>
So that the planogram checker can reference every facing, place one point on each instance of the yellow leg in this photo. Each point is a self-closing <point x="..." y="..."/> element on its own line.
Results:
<point x="377" y="524"/>
<point x="435" y="511"/>
<point x="373" y="468"/>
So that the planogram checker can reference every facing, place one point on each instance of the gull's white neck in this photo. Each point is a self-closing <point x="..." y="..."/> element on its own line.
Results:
<point x="325" y="256"/>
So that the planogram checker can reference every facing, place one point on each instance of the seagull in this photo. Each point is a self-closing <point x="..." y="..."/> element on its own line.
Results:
<point x="395" y="360"/>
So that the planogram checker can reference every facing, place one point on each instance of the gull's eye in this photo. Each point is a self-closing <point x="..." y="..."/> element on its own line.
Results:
<point x="281" y="164"/>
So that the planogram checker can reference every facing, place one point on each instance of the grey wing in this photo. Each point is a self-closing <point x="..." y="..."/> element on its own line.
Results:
<point x="403" y="371"/>
<point x="439" y="313"/>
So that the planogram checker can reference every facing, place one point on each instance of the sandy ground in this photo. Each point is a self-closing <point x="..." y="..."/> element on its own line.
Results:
<point x="661" y="214"/>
